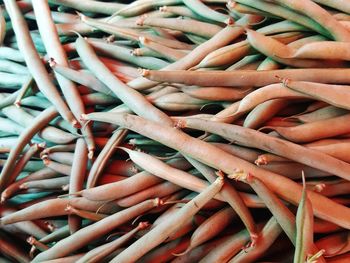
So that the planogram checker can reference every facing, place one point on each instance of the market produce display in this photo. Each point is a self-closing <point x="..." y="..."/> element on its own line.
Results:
<point x="175" y="131"/>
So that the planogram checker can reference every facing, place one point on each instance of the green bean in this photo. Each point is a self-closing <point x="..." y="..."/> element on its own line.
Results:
<point x="10" y="126"/>
<point x="35" y="101"/>
<point x="268" y="235"/>
<point x="225" y="36"/>
<point x="21" y="163"/>
<point x="215" y="93"/>
<point x="245" y="9"/>
<point x="68" y="29"/>
<point x="13" y="67"/>
<point x="244" y="153"/>
<point x="202" y="10"/>
<point x="44" y="173"/>
<point x="61" y="157"/>
<point x="263" y="112"/>
<point x="166" y="172"/>
<point x="76" y="179"/>
<point x="146" y="52"/>
<point x="158" y="234"/>
<point x="27" y="227"/>
<point x="181" y="10"/>
<point x="339" y="5"/>
<point x="166" y="52"/>
<point x="102" y="251"/>
<point x="39" y="122"/>
<point x="46" y="184"/>
<point x="244" y="62"/>
<point x="101" y="160"/>
<point x="160" y="190"/>
<point x="99" y="99"/>
<point x="58" y="17"/>
<point x="34" y="63"/>
<point x="124" y="54"/>
<point x="11" y="54"/>
<point x="286" y="13"/>
<point x="219" y="159"/>
<point x="187" y="25"/>
<point x="210" y="228"/>
<point x="333" y="94"/>
<point x="316" y="130"/>
<point x="320" y="114"/>
<point x="335" y="244"/>
<point x="53" y="207"/>
<point x="140" y="7"/>
<point x="249" y="77"/>
<point x="272" y="48"/>
<point x="55" y="50"/>
<point x="9" y="80"/>
<point x="238" y="134"/>
<point x="91" y="6"/>
<point x="58" y="167"/>
<point x="89" y="233"/>
<point x="80" y="77"/>
<point x="231" y="246"/>
<point x="24" y="91"/>
<point x="133" y="184"/>
<point x="132" y="34"/>
<point x="179" y="102"/>
<point x="282" y="26"/>
<point x="321" y="16"/>
<point x="231" y="196"/>
<point x="304" y="227"/>
<point x="130" y="97"/>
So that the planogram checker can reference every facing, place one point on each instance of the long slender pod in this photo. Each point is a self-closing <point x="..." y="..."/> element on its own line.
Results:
<point x="221" y="160"/>
<point x="39" y="122"/>
<point x="133" y="99"/>
<point x="55" y="50"/>
<point x="34" y="63"/>
<point x="160" y="233"/>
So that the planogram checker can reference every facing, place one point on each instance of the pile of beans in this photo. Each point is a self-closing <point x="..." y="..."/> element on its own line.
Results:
<point x="175" y="131"/>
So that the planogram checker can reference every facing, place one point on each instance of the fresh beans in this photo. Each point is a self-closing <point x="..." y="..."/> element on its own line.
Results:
<point x="132" y="98"/>
<point x="248" y="77"/>
<point x="89" y="233"/>
<point x="221" y="160"/>
<point x="77" y="177"/>
<point x="43" y="119"/>
<point x="101" y="252"/>
<point x="34" y="63"/>
<point x="254" y="91"/>
<point x="161" y="232"/>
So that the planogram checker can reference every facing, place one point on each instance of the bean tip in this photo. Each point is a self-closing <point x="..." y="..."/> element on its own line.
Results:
<point x="319" y="188"/>
<point x="180" y="124"/>
<point x="90" y="154"/>
<point x="81" y="16"/>
<point x="17" y="103"/>
<point x="143" y="40"/>
<point x="23" y="186"/>
<point x="52" y="62"/>
<point x="84" y="117"/>
<point x="238" y="175"/>
<point x="163" y="9"/>
<point x="140" y="21"/>
<point x="3" y="199"/>
<point x="231" y="4"/>
<point x="230" y="21"/>
<point x="143" y="225"/>
<point x="261" y="160"/>
<point x="144" y="72"/>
